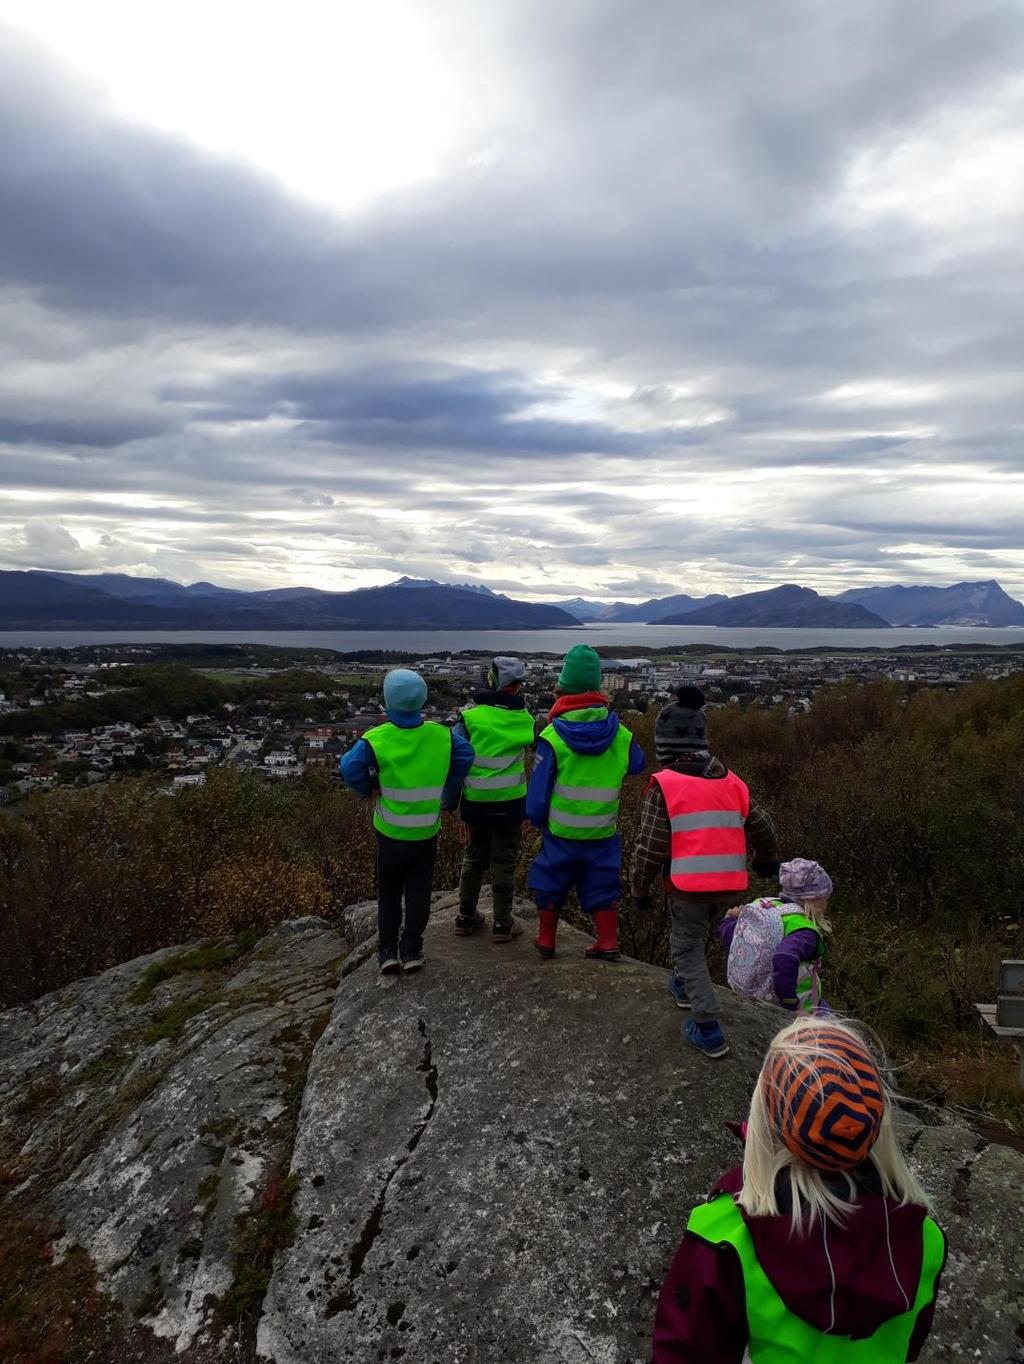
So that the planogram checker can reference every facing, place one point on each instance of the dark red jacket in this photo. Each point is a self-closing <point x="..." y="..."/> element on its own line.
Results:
<point x="701" y="1316"/>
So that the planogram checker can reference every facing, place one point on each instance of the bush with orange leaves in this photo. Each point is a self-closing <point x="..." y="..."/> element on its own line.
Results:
<point x="89" y="878"/>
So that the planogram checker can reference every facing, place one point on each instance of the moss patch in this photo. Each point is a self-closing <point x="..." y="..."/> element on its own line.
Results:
<point x="153" y="1298"/>
<point x="38" y="1096"/>
<point x="271" y="1225"/>
<point x="130" y="1095"/>
<point x="219" y="1128"/>
<point x="259" y="1236"/>
<point x="50" y="1315"/>
<point x="170" y="1023"/>
<point x="214" y="954"/>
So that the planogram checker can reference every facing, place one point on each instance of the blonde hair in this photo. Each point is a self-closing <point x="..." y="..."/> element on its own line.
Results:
<point x="767" y="1156"/>
<point x="815" y="911"/>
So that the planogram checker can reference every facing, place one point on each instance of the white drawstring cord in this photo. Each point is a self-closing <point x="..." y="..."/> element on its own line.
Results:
<point x="888" y="1246"/>
<point x="832" y="1271"/>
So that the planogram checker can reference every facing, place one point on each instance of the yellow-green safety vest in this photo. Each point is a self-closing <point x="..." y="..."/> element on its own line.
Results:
<point x="779" y="1336"/>
<point x="585" y="798"/>
<point x="500" y="738"/>
<point x="413" y="767"/>
<point x="808" y="984"/>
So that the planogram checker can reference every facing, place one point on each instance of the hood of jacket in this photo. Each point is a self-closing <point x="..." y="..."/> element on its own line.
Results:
<point x="871" y="1285"/>
<point x="697" y="765"/>
<point x="507" y="700"/>
<point x="594" y="731"/>
<point x="405" y="719"/>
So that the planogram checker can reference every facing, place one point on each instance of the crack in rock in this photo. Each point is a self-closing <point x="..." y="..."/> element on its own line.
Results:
<point x="372" y="1226"/>
<point x="913" y="1139"/>
<point x="962" y="1182"/>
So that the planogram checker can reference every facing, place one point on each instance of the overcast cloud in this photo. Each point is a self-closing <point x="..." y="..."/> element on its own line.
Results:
<point x="693" y="297"/>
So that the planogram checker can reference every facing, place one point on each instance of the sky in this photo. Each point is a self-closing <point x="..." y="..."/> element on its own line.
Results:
<point x="595" y="298"/>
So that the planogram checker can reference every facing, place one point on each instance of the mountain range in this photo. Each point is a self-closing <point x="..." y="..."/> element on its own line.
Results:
<point x="785" y="607"/>
<point x="109" y="601"/>
<point x="38" y="599"/>
<point x="981" y="603"/>
<point x="648" y="612"/>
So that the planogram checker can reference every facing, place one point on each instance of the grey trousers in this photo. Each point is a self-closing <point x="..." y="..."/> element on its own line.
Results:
<point x="691" y="918"/>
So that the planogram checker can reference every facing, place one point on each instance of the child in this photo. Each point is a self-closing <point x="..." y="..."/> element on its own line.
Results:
<point x="820" y="1248"/>
<point x="493" y="804"/>
<point x="775" y="946"/>
<point x="697" y="826"/>
<point x="407" y="763"/>
<point x="582" y="758"/>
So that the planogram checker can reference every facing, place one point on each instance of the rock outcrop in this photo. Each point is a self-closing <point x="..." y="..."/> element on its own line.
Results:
<point x="262" y="1145"/>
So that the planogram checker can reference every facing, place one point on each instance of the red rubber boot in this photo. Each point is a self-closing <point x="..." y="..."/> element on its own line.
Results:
<point x="545" y="939"/>
<point x="606" y="923"/>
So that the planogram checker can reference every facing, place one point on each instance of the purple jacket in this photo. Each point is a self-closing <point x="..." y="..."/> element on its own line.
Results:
<point x="701" y="1316"/>
<point x="802" y="945"/>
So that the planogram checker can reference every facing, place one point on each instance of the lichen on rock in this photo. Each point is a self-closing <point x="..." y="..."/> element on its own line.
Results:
<point x="170" y="1101"/>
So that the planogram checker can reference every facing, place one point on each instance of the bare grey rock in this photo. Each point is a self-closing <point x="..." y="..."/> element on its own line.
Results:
<point x="979" y="1192"/>
<point x="490" y="1160"/>
<point x="497" y="1158"/>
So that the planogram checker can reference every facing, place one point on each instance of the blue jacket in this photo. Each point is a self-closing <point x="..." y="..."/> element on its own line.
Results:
<point x="358" y="767"/>
<point x="582" y="736"/>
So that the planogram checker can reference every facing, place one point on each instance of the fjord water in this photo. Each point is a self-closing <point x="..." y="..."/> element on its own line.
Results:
<point x="431" y="642"/>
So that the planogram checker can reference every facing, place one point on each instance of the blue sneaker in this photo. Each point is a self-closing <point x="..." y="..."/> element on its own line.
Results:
<point x="709" y="1039"/>
<point x="678" y="992"/>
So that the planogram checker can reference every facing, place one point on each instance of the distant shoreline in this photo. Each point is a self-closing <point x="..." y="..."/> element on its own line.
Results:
<point x="611" y="640"/>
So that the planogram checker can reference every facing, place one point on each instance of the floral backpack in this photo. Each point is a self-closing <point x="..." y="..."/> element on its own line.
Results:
<point x="759" y="930"/>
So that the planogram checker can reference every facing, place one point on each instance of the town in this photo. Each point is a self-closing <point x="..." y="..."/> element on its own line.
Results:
<point x="96" y="714"/>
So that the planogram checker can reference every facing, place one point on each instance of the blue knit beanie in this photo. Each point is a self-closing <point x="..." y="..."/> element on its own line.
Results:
<point x="404" y="691"/>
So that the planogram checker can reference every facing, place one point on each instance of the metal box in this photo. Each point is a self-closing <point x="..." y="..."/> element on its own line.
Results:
<point x="1010" y="1011"/>
<point x="1011" y="978"/>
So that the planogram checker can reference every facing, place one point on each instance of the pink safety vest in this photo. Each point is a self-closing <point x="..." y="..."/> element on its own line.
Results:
<point x="707" y="818"/>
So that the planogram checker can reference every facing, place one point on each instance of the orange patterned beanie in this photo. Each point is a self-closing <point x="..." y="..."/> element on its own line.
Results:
<point x="826" y="1107"/>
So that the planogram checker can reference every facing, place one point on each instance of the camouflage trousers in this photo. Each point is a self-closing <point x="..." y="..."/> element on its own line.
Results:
<point x="495" y="847"/>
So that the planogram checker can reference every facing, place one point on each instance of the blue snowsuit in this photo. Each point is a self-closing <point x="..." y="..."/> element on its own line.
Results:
<point x="592" y="865"/>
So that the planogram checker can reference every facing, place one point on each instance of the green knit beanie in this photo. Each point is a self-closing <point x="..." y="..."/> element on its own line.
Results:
<point x="581" y="670"/>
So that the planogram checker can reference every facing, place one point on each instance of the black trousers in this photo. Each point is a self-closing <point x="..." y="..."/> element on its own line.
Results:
<point x="405" y="870"/>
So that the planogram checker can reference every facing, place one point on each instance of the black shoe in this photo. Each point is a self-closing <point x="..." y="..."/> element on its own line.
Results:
<point x="505" y="930"/>
<point x="468" y="924"/>
<point x="389" y="965"/>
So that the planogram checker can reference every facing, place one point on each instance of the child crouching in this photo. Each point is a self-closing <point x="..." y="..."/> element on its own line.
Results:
<point x="775" y="946"/>
<point x="820" y="1248"/>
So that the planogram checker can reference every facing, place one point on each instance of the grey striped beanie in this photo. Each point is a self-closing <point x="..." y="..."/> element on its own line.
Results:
<point x="681" y="727"/>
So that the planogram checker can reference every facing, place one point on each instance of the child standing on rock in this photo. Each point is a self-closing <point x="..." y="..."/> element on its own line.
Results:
<point x="820" y="1248"/>
<point x="583" y="757"/>
<point x="407" y="763"/>
<point x="697" y="823"/>
<point x="493" y="804"/>
<point x="775" y="945"/>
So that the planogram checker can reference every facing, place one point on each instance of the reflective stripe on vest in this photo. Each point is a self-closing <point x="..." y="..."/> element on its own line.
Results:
<point x="585" y="797"/>
<point x="500" y="738"/>
<point x="779" y="1336"/>
<point x="412" y="767"/>
<point x="709" y="844"/>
